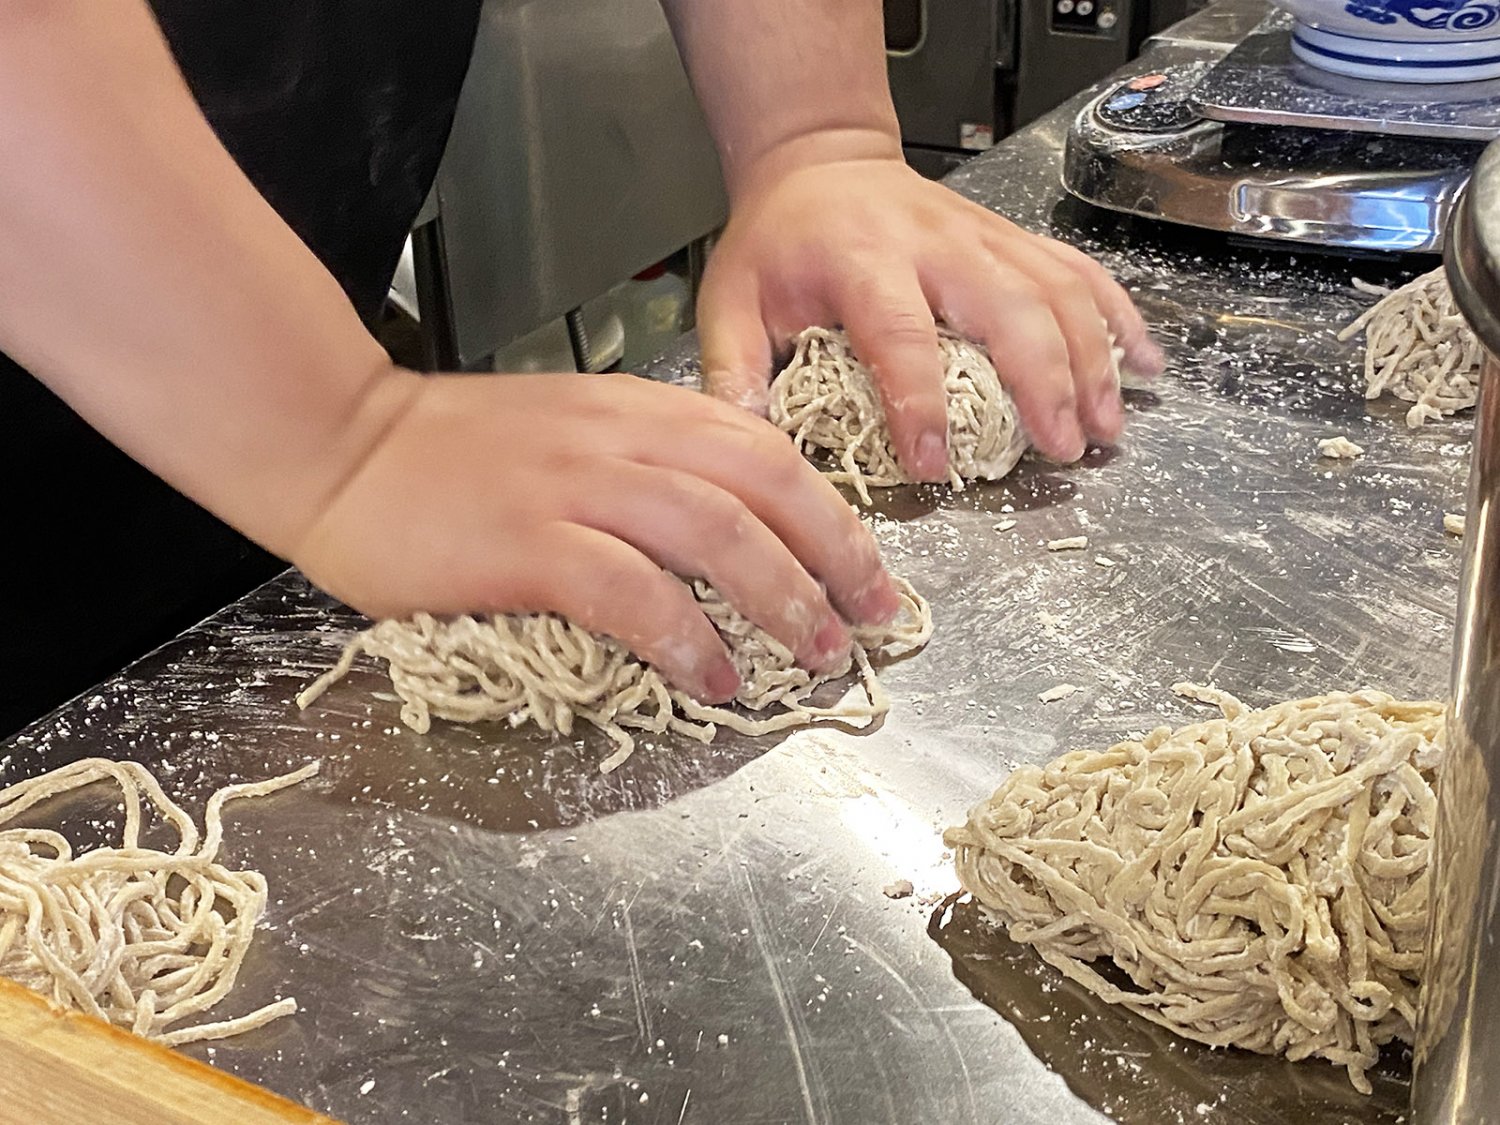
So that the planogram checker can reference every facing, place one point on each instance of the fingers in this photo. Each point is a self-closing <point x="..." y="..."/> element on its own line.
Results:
<point x="736" y="349"/>
<point x="753" y="461"/>
<point x="1083" y="328"/>
<point x="989" y="301"/>
<point x="1143" y="356"/>
<point x="886" y="314"/>
<point x="696" y="529"/>
<point x="606" y="586"/>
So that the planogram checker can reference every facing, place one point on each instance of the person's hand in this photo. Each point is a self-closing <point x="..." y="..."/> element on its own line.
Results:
<point x="583" y="496"/>
<point x="869" y="245"/>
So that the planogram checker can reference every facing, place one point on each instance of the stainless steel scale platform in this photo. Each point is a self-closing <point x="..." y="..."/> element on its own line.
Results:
<point x="1260" y="144"/>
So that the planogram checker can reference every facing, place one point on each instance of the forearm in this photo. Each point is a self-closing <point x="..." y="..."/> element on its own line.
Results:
<point x="146" y="281"/>
<point x="783" y="82"/>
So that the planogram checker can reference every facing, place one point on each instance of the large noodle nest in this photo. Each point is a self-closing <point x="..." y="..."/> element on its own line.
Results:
<point x="1419" y="348"/>
<point x="828" y="401"/>
<point x="546" y="671"/>
<point x="143" y="938"/>
<point x="1258" y="880"/>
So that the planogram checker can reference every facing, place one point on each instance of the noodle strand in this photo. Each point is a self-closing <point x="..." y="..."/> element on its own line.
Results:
<point x="1419" y="348"/>
<point x="139" y="937"/>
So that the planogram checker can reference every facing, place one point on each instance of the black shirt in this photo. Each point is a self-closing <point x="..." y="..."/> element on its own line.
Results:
<point x="337" y="111"/>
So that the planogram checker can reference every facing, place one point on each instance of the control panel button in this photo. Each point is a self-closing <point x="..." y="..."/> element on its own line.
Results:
<point x="1152" y="103"/>
<point x="1087" y="17"/>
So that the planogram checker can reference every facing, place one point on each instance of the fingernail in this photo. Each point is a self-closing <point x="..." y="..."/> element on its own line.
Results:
<point x="1070" y="441"/>
<point x="931" y="456"/>
<point x="880" y="603"/>
<point x="1109" y="412"/>
<point x="723" y="683"/>
<point x="1150" y="356"/>
<point x="830" y="642"/>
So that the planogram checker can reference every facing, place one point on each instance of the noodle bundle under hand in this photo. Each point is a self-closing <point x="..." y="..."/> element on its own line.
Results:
<point x="142" y="938"/>
<point x="1259" y="880"/>
<point x="544" y="670"/>
<point x="828" y="401"/>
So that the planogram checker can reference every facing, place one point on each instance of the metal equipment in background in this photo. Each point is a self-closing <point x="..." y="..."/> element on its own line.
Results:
<point x="952" y="67"/>
<point x="1259" y="144"/>
<point x="1457" y="1079"/>
<point x="578" y="158"/>
<point x="965" y="73"/>
<point x="1067" y="45"/>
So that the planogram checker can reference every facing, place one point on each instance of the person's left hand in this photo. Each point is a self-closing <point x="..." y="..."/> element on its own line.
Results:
<point x="869" y="245"/>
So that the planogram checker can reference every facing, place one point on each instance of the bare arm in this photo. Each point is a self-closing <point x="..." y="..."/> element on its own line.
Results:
<point x="147" y="282"/>
<point x="785" y="81"/>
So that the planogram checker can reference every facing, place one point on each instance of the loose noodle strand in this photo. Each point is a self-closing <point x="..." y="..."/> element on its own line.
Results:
<point x="142" y="938"/>
<point x="1419" y="348"/>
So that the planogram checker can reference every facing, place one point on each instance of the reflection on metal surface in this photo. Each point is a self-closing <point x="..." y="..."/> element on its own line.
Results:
<point x="1352" y="191"/>
<point x="1241" y="142"/>
<point x="1458" y="1047"/>
<point x="1262" y="83"/>
<point x="1136" y="1072"/>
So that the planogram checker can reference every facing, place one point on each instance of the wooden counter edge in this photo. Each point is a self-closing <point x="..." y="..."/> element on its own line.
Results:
<point x="62" y="1068"/>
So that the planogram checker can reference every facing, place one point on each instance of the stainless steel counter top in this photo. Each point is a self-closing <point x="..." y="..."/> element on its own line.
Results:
<point x="482" y="928"/>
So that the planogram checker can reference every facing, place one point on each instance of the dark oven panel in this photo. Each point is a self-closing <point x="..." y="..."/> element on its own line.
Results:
<point x="950" y="62"/>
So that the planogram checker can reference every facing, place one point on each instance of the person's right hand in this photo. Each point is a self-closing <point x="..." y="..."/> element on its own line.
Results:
<point x="584" y="496"/>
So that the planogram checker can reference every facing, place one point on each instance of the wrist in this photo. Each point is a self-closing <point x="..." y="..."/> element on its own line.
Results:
<point x="335" y="453"/>
<point x="876" y="141"/>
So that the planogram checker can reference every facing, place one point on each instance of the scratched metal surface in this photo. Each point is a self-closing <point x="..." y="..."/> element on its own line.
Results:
<point x="481" y="928"/>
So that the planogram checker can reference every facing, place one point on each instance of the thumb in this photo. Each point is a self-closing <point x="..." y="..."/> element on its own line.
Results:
<point x="736" y="349"/>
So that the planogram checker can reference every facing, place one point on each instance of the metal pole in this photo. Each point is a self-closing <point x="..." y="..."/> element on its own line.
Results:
<point x="434" y="298"/>
<point x="1457" y="1059"/>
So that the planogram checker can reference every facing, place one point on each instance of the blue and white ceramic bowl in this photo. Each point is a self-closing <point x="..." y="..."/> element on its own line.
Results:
<point x="1399" y="40"/>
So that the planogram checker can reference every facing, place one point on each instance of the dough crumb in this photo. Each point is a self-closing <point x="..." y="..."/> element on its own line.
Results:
<point x="1005" y="525"/>
<point x="723" y="1040"/>
<point x="1340" y="449"/>
<point x="1420" y="414"/>
<point x="1072" y="543"/>
<point x="1061" y="691"/>
<point x="901" y="888"/>
<point x="1104" y="561"/>
<point x="1455" y="524"/>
